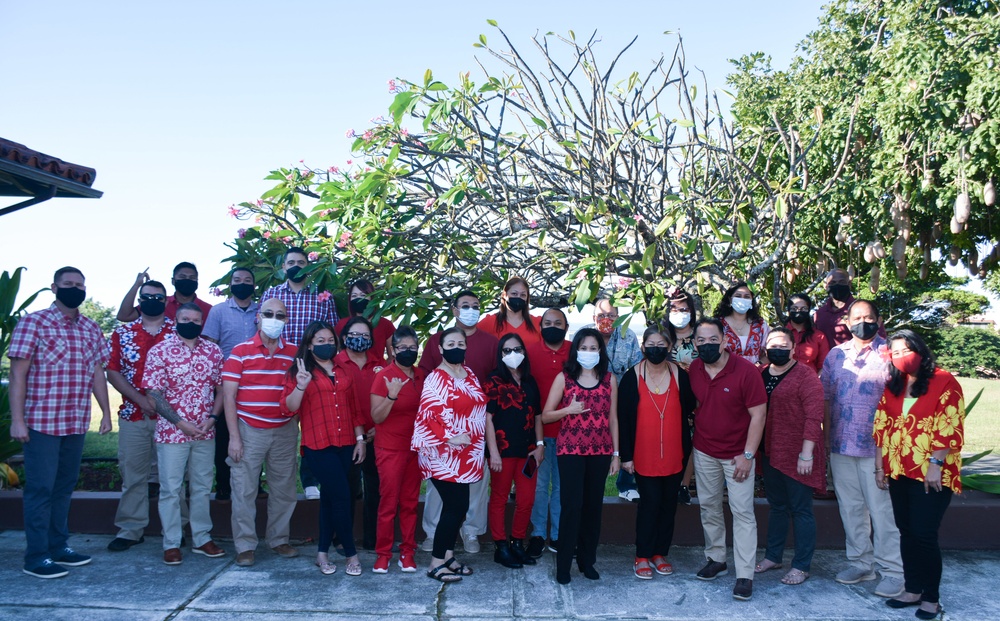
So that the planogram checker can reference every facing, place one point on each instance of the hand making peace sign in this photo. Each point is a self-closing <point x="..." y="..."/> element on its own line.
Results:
<point x="303" y="377"/>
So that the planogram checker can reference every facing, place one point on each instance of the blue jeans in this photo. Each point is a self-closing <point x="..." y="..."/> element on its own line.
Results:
<point x="51" y="468"/>
<point x="336" y="502"/>
<point x="789" y="497"/>
<point x="546" y="503"/>
<point x="306" y="476"/>
<point x="625" y="481"/>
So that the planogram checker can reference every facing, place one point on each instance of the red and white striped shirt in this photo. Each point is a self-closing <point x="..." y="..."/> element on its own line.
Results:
<point x="261" y="377"/>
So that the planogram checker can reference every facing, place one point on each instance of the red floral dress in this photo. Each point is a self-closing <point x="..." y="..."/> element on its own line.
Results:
<point x="449" y="407"/>
<point x="755" y="341"/>
<point x="513" y="408"/>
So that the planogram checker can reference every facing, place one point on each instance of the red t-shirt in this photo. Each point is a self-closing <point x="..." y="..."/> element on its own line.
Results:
<point x="546" y="365"/>
<point x="396" y="431"/>
<point x="383" y="332"/>
<point x="488" y="324"/>
<point x="722" y="419"/>
<point x="480" y="354"/>
<point x="364" y="378"/>
<point x="810" y="351"/>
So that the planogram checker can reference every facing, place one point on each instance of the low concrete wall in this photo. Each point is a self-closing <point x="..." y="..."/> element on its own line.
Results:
<point x="969" y="524"/>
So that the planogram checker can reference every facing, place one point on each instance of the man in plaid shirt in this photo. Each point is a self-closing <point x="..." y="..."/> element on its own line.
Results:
<point x="57" y="359"/>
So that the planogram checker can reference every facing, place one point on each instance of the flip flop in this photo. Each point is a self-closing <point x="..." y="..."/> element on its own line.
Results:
<point x="795" y="576"/>
<point x="458" y="568"/>
<point x="643" y="573"/>
<point x="766" y="565"/>
<point x="326" y="567"/>
<point x="353" y="569"/>
<point x="662" y="566"/>
<point x="441" y="573"/>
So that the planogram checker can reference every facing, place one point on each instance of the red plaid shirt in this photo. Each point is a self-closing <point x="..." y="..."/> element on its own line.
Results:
<point x="63" y="352"/>
<point x="330" y="409"/>
<point x="303" y="308"/>
<point x="129" y="345"/>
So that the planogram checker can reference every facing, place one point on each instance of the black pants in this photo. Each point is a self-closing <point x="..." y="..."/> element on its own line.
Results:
<point x="654" y="519"/>
<point x="918" y="518"/>
<point x="365" y="483"/>
<point x="333" y="466"/>
<point x="222" y="481"/>
<point x="581" y="495"/>
<point x="454" y="506"/>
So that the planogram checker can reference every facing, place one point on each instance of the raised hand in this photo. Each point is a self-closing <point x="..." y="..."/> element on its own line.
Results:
<point x="575" y="407"/>
<point x="394" y="385"/>
<point x="142" y="277"/>
<point x="303" y="377"/>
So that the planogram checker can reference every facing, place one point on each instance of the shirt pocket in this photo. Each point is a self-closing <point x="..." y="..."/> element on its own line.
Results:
<point x="54" y="352"/>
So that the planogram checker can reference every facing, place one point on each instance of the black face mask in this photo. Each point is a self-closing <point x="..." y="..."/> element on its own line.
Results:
<point x="406" y="358"/>
<point x="358" y="305"/>
<point x="865" y="330"/>
<point x="710" y="352"/>
<point x="455" y="355"/>
<point x="293" y="272"/>
<point x="324" y="351"/>
<point x="242" y="291"/>
<point x="839" y="292"/>
<point x="189" y="330"/>
<point x="516" y="304"/>
<point x="779" y="357"/>
<point x="71" y="297"/>
<point x="152" y="308"/>
<point x="799" y="317"/>
<point x="553" y="335"/>
<point x="186" y="287"/>
<point x="656" y="355"/>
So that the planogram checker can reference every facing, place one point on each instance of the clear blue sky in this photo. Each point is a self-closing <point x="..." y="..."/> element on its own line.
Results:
<point x="183" y="107"/>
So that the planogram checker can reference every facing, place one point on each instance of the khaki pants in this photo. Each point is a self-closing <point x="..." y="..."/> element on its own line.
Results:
<point x="137" y="463"/>
<point x="714" y="477"/>
<point x="197" y="458"/>
<point x="475" y="517"/>
<point x="865" y="508"/>
<point x="278" y="448"/>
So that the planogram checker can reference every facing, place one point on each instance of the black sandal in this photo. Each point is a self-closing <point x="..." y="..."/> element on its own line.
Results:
<point x="447" y="578"/>
<point x="458" y="568"/>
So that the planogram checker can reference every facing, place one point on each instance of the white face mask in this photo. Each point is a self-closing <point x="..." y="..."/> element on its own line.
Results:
<point x="742" y="305"/>
<point x="680" y="320"/>
<point x="468" y="316"/>
<point x="588" y="359"/>
<point x="271" y="327"/>
<point x="513" y="359"/>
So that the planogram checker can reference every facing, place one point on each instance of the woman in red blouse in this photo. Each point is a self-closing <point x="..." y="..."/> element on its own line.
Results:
<point x="359" y="293"/>
<point x="514" y="438"/>
<point x="449" y="438"/>
<point x="918" y="425"/>
<point x="811" y="346"/>
<point x="745" y="329"/>
<point x="585" y="398"/>
<point x="793" y="437"/>
<point x="325" y="398"/>
<point x="654" y="404"/>
<point x="514" y="316"/>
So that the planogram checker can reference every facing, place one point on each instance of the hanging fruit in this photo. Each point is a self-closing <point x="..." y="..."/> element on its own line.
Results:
<point x="873" y="282"/>
<point x="901" y="270"/>
<point x="851" y="273"/>
<point x="989" y="193"/>
<point x="869" y="253"/>
<point x="841" y="237"/>
<point x="954" y="254"/>
<point x="899" y="250"/>
<point x="956" y="226"/>
<point x="936" y="231"/>
<point x="879" y="250"/>
<point x="963" y="208"/>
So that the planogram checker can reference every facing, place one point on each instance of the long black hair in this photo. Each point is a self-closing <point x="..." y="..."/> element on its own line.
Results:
<point x="573" y="368"/>
<point x="502" y="370"/>
<point x="679" y="295"/>
<point x="501" y="318"/>
<point x="307" y="338"/>
<point x="725" y="307"/>
<point x="810" y="326"/>
<point x="897" y="379"/>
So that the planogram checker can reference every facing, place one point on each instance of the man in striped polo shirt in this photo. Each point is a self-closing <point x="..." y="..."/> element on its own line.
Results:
<point x="252" y="380"/>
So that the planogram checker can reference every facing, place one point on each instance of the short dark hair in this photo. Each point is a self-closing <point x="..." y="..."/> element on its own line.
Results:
<point x="898" y="380"/>
<point x="556" y="309"/>
<point x="573" y="368"/>
<point x="155" y="284"/>
<point x="870" y="303"/>
<point x="461" y="294"/>
<point x="190" y="306"/>
<point x="782" y="330"/>
<point x="711" y="321"/>
<point x="66" y="270"/>
<point x="662" y="331"/>
<point x="243" y="269"/>
<point x="448" y="332"/>
<point x="404" y="332"/>
<point x="183" y="265"/>
<point x="293" y="250"/>
<point x="353" y="321"/>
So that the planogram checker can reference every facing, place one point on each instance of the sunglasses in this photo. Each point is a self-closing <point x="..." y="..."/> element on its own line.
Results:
<point x="512" y="350"/>
<point x="273" y="315"/>
<point x="148" y="297"/>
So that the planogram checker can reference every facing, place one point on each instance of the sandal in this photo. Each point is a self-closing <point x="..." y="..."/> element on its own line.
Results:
<point x="661" y="565"/>
<point x="795" y="576"/>
<point x="640" y="571"/>
<point x="458" y="568"/>
<point x="326" y="567"/>
<point x="766" y="565"/>
<point x="441" y="573"/>
<point x="353" y="569"/>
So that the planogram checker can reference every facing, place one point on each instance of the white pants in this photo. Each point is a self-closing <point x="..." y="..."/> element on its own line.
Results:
<point x="864" y="508"/>
<point x="715" y="476"/>
<point x="475" y="517"/>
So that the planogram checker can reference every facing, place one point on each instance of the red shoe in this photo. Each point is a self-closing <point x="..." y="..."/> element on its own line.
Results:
<point x="210" y="550"/>
<point x="661" y="565"/>
<point x="407" y="563"/>
<point x="381" y="565"/>
<point x="643" y="573"/>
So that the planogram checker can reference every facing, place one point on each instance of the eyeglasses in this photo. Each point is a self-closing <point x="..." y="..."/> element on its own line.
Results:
<point x="512" y="350"/>
<point x="466" y="307"/>
<point x="273" y="315"/>
<point x="799" y="309"/>
<point x="357" y="335"/>
<point x="149" y="297"/>
<point x="414" y="348"/>
<point x="606" y="316"/>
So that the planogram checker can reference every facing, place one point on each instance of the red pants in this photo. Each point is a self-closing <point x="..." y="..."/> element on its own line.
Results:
<point x="524" y="491"/>
<point x="399" y="486"/>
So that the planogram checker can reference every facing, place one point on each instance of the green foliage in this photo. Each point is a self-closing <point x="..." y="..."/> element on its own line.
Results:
<point x="103" y="315"/>
<point x="977" y="480"/>
<point x="968" y="352"/>
<point x="10" y="313"/>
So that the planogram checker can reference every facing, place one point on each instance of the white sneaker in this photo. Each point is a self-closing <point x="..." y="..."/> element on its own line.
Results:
<point x="630" y="495"/>
<point x="312" y="493"/>
<point x="470" y="543"/>
<point x="854" y="575"/>
<point x="427" y="545"/>
<point x="890" y="587"/>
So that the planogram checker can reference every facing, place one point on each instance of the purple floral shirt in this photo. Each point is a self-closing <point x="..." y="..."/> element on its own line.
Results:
<point x="853" y="383"/>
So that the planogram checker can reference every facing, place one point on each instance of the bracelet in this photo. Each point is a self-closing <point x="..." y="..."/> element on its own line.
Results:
<point x="936" y="461"/>
<point x="300" y="388"/>
<point x="391" y="398"/>
<point x="801" y="458"/>
<point x="880" y="472"/>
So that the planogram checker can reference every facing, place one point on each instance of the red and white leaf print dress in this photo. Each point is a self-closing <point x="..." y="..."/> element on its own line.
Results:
<point x="449" y="407"/>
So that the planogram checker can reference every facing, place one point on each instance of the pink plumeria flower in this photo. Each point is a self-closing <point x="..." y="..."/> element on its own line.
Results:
<point x="313" y="256"/>
<point x="334" y="170"/>
<point x="267" y="234"/>
<point x="287" y="240"/>
<point x="323" y="296"/>
<point x="260" y="203"/>
<point x="349" y="162"/>
<point x="234" y="211"/>
<point x="404" y="132"/>
<point x="533" y="224"/>
<point x="350" y="133"/>
<point x="429" y="203"/>
<point x="392" y="86"/>
<point x="217" y="292"/>
<point x="367" y="136"/>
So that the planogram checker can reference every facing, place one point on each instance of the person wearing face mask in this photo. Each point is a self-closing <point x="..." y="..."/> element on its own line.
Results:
<point x="919" y="430"/>
<point x="831" y="316"/>
<point x="356" y="357"/>
<point x="793" y="438"/>
<point x="185" y="282"/>
<point x="253" y="379"/>
<point x="746" y="330"/>
<point x="732" y="406"/>
<point x="811" y="346"/>
<point x="395" y="398"/>
<point x="480" y="356"/>
<point x="359" y="293"/>
<point x="182" y="375"/>
<point x="324" y="396"/>
<point x="585" y="398"/>
<point x="854" y="376"/>
<point x="130" y="344"/>
<point x="655" y="403"/>
<point x="230" y="323"/>
<point x="548" y="359"/>
<point x="680" y="322"/>
<point x="57" y="358"/>
<point x="513" y="316"/>
<point x="516" y="448"/>
<point x="449" y="438"/>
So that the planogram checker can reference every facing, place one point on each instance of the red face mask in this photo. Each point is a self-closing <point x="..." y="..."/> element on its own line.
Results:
<point x="908" y="363"/>
<point x="605" y="326"/>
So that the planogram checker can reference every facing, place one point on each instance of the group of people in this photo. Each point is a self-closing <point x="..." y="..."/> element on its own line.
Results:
<point x="495" y="403"/>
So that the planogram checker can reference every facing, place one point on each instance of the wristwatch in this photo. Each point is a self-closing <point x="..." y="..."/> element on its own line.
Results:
<point x="747" y="455"/>
<point x="936" y="461"/>
<point x="539" y="443"/>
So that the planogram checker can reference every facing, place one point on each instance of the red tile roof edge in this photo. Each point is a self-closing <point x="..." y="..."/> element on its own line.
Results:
<point x="21" y="154"/>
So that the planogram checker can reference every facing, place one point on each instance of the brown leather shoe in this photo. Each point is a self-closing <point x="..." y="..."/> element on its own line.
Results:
<point x="210" y="550"/>
<point x="285" y="551"/>
<point x="172" y="556"/>
<point x="245" y="559"/>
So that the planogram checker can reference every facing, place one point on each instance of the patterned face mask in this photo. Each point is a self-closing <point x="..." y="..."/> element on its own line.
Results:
<point x="605" y="325"/>
<point x="358" y="343"/>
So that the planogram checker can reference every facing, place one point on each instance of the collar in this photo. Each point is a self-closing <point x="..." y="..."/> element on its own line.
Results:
<point x="259" y="342"/>
<point x="231" y="303"/>
<point x="833" y="309"/>
<point x="74" y="319"/>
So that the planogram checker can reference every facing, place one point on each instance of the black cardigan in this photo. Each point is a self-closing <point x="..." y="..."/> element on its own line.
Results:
<point x="628" y="407"/>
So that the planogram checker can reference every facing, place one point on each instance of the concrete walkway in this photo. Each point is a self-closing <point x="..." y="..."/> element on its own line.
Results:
<point x="136" y="585"/>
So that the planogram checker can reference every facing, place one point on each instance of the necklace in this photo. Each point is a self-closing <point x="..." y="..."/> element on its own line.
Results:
<point x="657" y="386"/>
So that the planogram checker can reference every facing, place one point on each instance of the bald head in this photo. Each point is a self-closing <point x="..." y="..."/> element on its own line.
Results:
<point x="837" y="276"/>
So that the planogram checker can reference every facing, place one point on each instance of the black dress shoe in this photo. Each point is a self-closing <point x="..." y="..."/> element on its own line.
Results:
<point x="505" y="556"/>
<point x="563" y="578"/>
<point x="536" y="547"/>
<point x="927" y="616"/>
<point x="589" y="572"/>
<point x="120" y="544"/>
<point x="522" y="556"/>
<point x="743" y="589"/>
<point x="712" y="570"/>
<point x="898" y="603"/>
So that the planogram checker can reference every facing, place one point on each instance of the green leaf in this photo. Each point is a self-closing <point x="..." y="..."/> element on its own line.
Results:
<point x="744" y="233"/>
<point x="975" y="400"/>
<point x="437" y="86"/>
<point x="482" y="39"/>
<point x="492" y="22"/>
<point x="581" y="297"/>
<point x="974" y="458"/>
<point x="539" y="122"/>
<point x="428" y="76"/>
